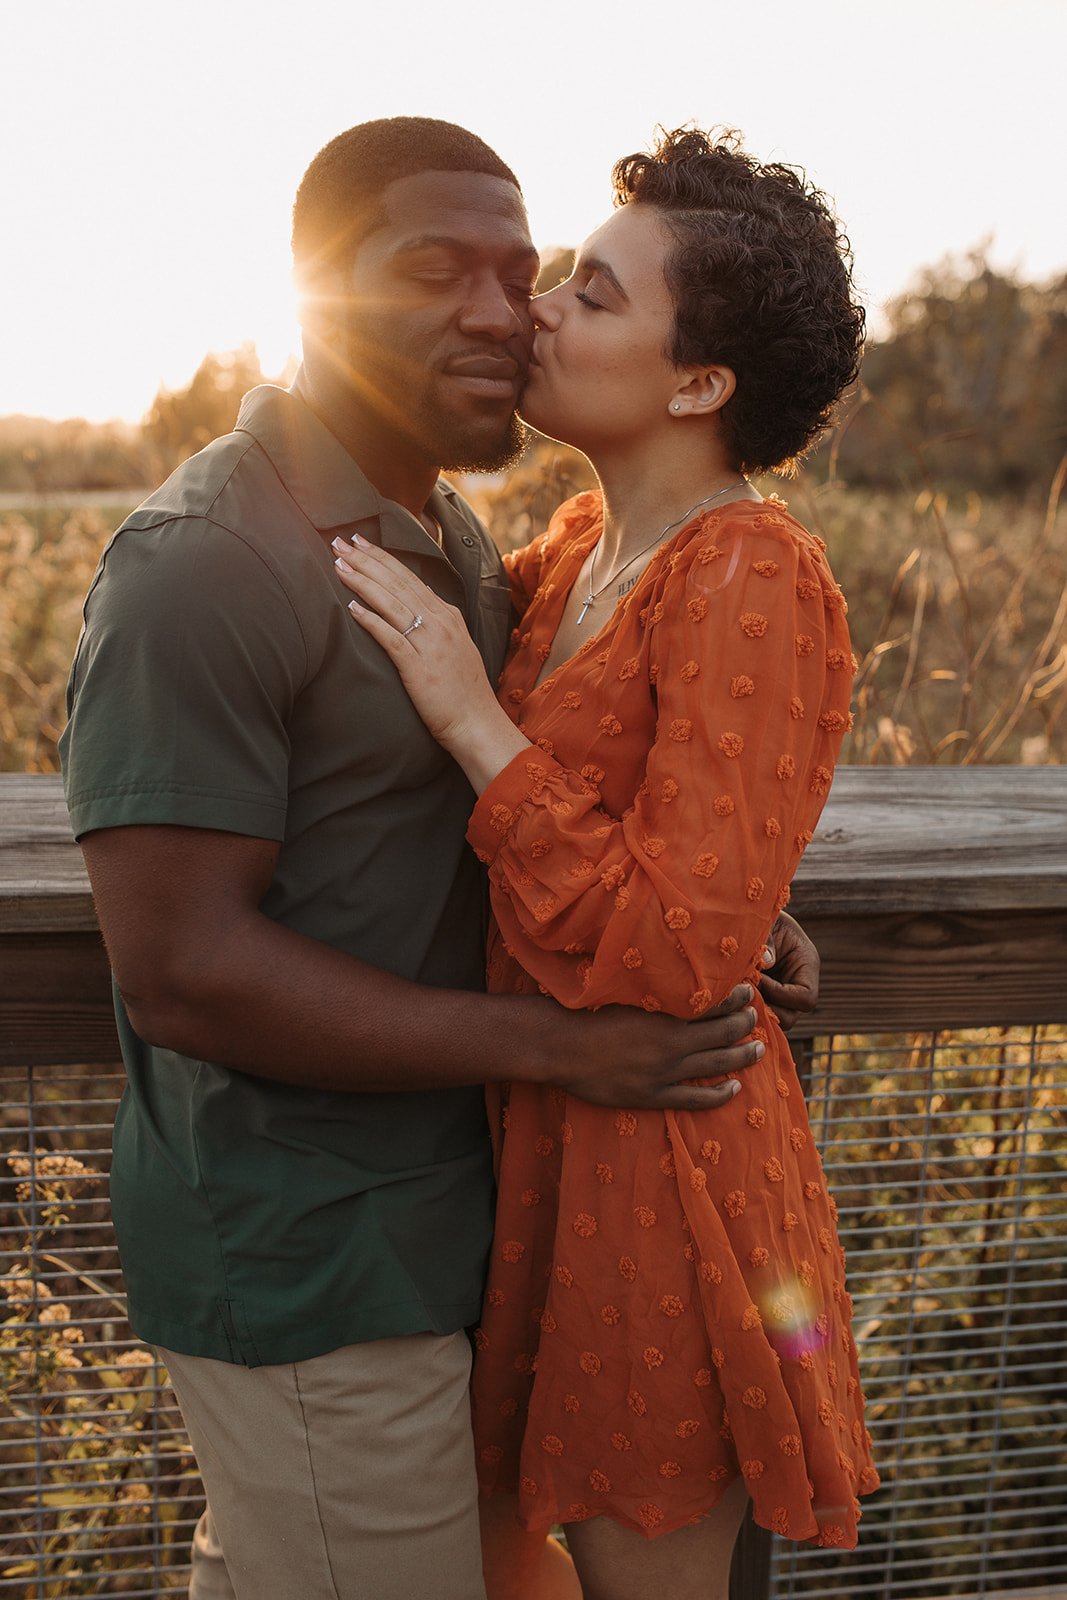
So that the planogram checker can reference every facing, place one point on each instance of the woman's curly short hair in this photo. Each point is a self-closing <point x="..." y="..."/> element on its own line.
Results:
<point x="761" y="278"/>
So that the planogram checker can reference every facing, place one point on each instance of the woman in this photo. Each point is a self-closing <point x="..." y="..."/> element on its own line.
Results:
<point x="666" y="1330"/>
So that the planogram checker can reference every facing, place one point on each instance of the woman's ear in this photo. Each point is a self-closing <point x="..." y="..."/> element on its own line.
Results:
<point x="702" y="390"/>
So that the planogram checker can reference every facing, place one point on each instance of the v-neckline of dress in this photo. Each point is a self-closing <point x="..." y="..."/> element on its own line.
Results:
<point x="579" y="550"/>
<point x="546" y="674"/>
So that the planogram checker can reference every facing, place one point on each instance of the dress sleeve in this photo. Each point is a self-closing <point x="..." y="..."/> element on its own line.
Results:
<point x="669" y="905"/>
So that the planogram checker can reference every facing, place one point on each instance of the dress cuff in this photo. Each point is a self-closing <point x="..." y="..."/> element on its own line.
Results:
<point x="494" y="815"/>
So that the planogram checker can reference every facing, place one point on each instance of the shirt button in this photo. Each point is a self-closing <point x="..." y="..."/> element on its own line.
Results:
<point x="469" y="540"/>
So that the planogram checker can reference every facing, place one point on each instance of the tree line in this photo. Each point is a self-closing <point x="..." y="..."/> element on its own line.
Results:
<point x="966" y="387"/>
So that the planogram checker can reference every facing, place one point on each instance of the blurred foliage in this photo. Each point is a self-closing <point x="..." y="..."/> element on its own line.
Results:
<point x="182" y="421"/>
<point x="969" y="386"/>
<point x="47" y="560"/>
<point x="958" y="614"/>
<point x="41" y="458"/>
<point x="556" y="265"/>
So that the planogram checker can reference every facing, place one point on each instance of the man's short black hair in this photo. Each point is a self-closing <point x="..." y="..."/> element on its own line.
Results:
<point x="337" y="202"/>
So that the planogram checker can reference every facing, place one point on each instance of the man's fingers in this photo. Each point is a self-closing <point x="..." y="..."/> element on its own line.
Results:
<point x="690" y="1097"/>
<point x="787" y="996"/>
<point x="739" y="996"/>
<point x="714" y="1063"/>
<point x="716" y="1030"/>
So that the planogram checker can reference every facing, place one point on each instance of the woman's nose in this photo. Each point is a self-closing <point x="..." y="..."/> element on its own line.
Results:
<point x="546" y="309"/>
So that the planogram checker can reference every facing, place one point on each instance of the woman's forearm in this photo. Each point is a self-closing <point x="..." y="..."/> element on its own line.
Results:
<point x="484" y="745"/>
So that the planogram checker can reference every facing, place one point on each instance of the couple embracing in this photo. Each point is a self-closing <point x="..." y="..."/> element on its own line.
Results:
<point x="311" y="717"/>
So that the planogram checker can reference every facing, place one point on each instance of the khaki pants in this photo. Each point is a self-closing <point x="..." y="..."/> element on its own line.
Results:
<point x="346" y="1477"/>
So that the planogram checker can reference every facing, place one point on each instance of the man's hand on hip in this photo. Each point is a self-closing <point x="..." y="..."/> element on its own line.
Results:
<point x="790" y="981"/>
<point x="624" y="1057"/>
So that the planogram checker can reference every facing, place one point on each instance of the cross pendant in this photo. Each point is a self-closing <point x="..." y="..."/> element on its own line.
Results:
<point x="583" y="611"/>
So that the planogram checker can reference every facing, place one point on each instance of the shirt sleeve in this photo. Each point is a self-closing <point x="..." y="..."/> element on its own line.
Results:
<point x="183" y="685"/>
<point x="669" y="905"/>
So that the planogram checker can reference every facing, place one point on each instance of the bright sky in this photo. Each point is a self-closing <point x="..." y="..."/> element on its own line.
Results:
<point x="150" y="149"/>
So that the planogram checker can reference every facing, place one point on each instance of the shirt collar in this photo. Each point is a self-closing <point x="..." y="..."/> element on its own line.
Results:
<point x="327" y="484"/>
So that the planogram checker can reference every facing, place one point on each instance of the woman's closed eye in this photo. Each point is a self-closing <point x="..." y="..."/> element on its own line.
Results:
<point x="587" y="300"/>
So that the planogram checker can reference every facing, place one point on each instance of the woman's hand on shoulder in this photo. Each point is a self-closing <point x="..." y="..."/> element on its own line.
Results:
<point x="439" y="664"/>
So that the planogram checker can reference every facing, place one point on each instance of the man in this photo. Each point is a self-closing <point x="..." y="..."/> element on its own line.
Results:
<point x="301" y="1181"/>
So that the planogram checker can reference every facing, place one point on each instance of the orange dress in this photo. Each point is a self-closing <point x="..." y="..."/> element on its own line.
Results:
<point x="666" y="1305"/>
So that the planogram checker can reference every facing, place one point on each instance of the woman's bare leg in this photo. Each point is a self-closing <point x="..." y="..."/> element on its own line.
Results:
<point x="617" y="1563"/>
<point x="520" y="1565"/>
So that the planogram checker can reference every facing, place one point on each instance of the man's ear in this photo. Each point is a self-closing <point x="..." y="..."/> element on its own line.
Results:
<point x="319" y="298"/>
<point x="702" y="390"/>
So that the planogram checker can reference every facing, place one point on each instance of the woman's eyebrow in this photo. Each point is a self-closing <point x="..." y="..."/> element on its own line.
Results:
<point x="601" y="268"/>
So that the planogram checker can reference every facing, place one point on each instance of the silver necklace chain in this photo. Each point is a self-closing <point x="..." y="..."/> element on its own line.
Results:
<point x="594" y="594"/>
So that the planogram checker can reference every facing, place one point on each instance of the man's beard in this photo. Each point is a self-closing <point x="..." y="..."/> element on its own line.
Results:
<point x="459" y="444"/>
<point x="459" y="454"/>
<point x="404" y="390"/>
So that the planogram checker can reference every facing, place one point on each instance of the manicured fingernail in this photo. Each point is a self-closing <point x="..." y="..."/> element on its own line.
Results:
<point x="768" y="956"/>
<point x="338" y="544"/>
<point x="760" y="1048"/>
<point x="359" y="541"/>
<point x="735" y="1087"/>
<point x="744" y="993"/>
<point x="342" y="566"/>
<point x="355" y="608"/>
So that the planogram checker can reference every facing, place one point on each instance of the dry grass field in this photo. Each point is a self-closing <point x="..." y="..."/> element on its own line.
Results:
<point x="958" y="606"/>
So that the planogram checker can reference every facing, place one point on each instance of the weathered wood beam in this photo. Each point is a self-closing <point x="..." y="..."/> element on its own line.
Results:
<point x="937" y="897"/>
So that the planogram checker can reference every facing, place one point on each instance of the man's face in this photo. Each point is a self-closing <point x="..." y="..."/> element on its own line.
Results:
<point x="436" y="322"/>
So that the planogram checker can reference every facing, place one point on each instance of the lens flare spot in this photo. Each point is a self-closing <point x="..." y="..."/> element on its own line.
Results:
<point x="793" y="1317"/>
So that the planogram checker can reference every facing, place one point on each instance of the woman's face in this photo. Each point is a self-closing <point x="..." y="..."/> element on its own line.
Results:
<point x="600" y="376"/>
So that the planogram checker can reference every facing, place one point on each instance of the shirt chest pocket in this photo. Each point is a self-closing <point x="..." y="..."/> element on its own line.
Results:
<point x="492" y="625"/>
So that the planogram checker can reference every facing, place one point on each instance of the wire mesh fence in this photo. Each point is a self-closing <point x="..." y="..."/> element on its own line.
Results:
<point x="947" y="1156"/>
<point x="98" y="1493"/>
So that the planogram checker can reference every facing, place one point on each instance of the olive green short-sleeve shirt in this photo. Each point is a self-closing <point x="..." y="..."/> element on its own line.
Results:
<point x="220" y="682"/>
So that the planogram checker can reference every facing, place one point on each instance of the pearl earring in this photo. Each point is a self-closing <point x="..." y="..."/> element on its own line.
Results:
<point x="676" y="406"/>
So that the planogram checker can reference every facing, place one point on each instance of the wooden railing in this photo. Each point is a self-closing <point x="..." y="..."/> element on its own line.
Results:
<point x="937" y="897"/>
